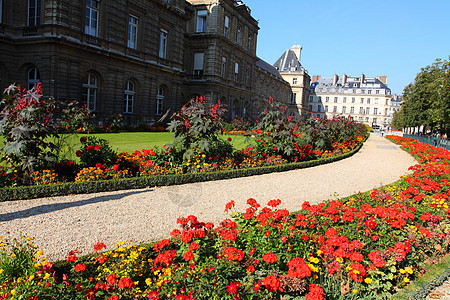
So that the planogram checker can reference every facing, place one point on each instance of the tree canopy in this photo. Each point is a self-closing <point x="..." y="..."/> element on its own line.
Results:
<point x="427" y="99"/>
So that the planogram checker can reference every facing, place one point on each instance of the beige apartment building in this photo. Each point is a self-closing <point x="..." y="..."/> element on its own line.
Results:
<point x="363" y="99"/>
<point x="139" y="59"/>
<point x="293" y="72"/>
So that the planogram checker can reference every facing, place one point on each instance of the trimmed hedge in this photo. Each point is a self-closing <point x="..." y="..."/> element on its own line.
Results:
<point x="63" y="189"/>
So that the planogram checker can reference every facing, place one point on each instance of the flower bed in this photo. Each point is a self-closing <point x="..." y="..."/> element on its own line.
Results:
<point x="363" y="247"/>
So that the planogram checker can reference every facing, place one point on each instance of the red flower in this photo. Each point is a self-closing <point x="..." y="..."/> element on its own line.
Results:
<point x="257" y="286"/>
<point x="158" y="246"/>
<point x="234" y="254"/>
<point x="229" y="205"/>
<point x="233" y="288"/>
<point x="111" y="279"/>
<point x="298" y="268"/>
<point x="80" y="268"/>
<point x="126" y="282"/>
<point x="188" y="256"/>
<point x="357" y="272"/>
<point x="113" y="297"/>
<point x="116" y="167"/>
<point x="97" y="147"/>
<point x="275" y="149"/>
<point x="83" y="139"/>
<point x="315" y="292"/>
<point x="272" y="283"/>
<point x="99" y="246"/>
<point x="229" y="139"/>
<point x="270" y="257"/>
<point x="78" y="153"/>
<point x="90" y="147"/>
<point x="193" y="246"/>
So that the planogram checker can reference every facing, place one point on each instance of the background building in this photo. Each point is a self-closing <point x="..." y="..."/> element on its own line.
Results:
<point x="139" y="59"/>
<point x="293" y="72"/>
<point x="364" y="99"/>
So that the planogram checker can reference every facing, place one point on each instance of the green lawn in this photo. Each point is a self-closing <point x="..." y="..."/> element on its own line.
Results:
<point x="131" y="141"/>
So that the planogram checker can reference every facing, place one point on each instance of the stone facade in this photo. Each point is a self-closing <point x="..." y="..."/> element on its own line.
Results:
<point x="134" y="58"/>
<point x="293" y="72"/>
<point x="364" y="99"/>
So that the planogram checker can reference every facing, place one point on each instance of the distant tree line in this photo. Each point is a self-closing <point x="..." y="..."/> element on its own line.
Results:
<point x="427" y="100"/>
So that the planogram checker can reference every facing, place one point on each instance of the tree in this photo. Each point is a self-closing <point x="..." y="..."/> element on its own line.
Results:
<point x="427" y="100"/>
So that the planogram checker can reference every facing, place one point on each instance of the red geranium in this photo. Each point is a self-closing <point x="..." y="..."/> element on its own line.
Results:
<point x="80" y="268"/>
<point x="99" y="246"/>
<point x="270" y="257"/>
<point x="188" y="256"/>
<point x="315" y="292"/>
<point x="97" y="147"/>
<point x="126" y="282"/>
<point x="78" y="153"/>
<point x="272" y="283"/>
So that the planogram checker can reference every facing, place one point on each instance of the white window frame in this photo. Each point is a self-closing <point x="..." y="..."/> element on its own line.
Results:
<point x="129" y="97"/>
<point x="91" y="18"/>
<point x="159" y="101"/>
<point x="91" y="87"/>
<point x="33" y="77"/>
<point x="201" y="20"/>
<point x="163" y="35"/>
<point x="344" y="108"/>
<point x="236" y="72"/>
<point x="226" y="27"/>
<point x="223" y="67"/>
<point x="133" y="23"/>
<point x="34" y="17"/>
<point x="375" y="111"/>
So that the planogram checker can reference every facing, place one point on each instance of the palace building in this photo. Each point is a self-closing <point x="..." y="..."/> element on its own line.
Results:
<point x="363" y="99"/>
<point x="139" y="59"/>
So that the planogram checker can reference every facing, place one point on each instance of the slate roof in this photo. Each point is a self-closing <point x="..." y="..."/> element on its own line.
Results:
<point x="268" y="67"/>
<point x="288" y="62"/>
<point x="324" y="84"/>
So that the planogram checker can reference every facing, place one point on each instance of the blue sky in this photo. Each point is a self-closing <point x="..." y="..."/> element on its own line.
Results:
<point x="385" y="37"/>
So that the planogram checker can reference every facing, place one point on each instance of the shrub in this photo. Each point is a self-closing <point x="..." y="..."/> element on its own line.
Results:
<point x="196" y="130"/>
<point x="96" y="151"/>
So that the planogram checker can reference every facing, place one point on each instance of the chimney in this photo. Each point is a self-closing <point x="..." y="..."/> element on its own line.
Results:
<point x="344" y="79"/>
<point x="335" y="79"/>
<point x="363" y="77"/>
<point x="315" y="78"/>
<point x="297" y="49"/>
<point x="382" y="78"/>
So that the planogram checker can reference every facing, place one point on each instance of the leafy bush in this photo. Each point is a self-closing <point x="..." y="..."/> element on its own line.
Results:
<point x="96" y="151"/>
<point x="26" y="123"/>
<point x="196" y="130"/>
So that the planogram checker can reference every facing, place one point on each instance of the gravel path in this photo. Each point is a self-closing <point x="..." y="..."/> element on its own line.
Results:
<point x="61" y="224"/>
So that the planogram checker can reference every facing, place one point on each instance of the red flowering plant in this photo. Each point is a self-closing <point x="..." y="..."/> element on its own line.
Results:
<point x="196" y="127"/>
<point x="96" y="151"/>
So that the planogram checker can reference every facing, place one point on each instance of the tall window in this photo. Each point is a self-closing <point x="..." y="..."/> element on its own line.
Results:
<point x="129" y="97"/>
<point x="361" y="110"/>
<point x="33" y="77"/>
<point x="311" y="98"/>
<point x="91" y="21"/>
<point x="34" y="12"/>
<point x="236" y="71"/>
<point x="238" y="36"/>
<point x="132" y="32"/>
<point x="223" y="67"/>
<point x="344" y="100"/>
<point x="375" y="111"/>
<point x="344" y="108"/>
<point x="368" y="111"/>
<point x="226" y="28"/>
<point x="294" y="98"/>
<point x="199" y="59"/>
<point x="362" y="100"/>
<point x="334" y="109"/>
<point x="1" y="11"/>
<point x="159" y="101"/>
<point x="246" y="76"/>
<point x="335" y="99"/>
<point x="376" y="100"/>
<point x="352" y="110"/>
<point x="163" y="43"/>
<point x="201" y="20"/>
<point x="353" y="99"/>
<point x="326" y="108"/>
<point x="368" y="100"/>
<point x="249" y="45"/>
<point x="327" y="99"/>
<point x="90" y="89"/>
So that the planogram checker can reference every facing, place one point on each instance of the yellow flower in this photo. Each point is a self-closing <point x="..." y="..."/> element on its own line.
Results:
<point x="313" y="259"/>
<point x="406" y="279"/>
<point x="13" y="292"/>
<point x="13" y="255"/>
<point x="148" y="281"/>
<point x="319" y="252"/>
<point x="37" y="265"/>
<point x="47" y="276"/>
<point x="31" y="278"/>
<point x="402" y="271"/>
<point x="1" y="271"/>
<point x="368" y="280"/>
<point x="339" y="259"/>
<point x="355" y="291"/>
<point x="39" y="253"/>
<point x="409" y="270"/>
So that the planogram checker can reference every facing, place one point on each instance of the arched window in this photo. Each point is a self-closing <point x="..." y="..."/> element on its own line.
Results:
<point x="129" y="97"/>
<point x="159" y="101"/>
<point x="33" y="77"/>
<point x="90" y="91"/>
